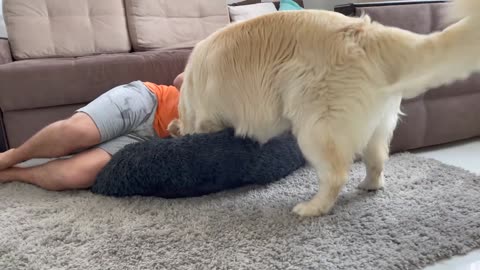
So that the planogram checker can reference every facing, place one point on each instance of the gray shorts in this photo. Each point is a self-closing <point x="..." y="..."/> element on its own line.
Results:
<point x="123" y="115"/>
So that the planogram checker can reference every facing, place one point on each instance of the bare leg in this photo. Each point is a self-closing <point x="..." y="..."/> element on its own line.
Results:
<point x="77" y="172"/>
<point x="331" y="162"/>
<point x="58" y="139"/>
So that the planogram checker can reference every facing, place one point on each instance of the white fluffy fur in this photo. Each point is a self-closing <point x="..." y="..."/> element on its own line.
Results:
<point x="336" y="82"/>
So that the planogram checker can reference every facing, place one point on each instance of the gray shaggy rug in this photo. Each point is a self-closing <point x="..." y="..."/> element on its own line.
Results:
<point x="427" y="212"/>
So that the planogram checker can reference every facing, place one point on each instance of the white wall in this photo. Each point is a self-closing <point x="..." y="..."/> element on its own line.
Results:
<point x="3" y="31"/>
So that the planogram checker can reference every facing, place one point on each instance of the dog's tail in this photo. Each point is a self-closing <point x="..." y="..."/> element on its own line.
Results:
<point x="440" y="58"/>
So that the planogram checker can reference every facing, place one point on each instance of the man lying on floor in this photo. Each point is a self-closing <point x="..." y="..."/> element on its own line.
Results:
<point x="126" y="114"/>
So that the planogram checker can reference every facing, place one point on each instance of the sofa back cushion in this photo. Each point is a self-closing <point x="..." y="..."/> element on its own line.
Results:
<point x="65" y="28"/>
<point x="158" y="24"/>
<point x="422" y="18"/>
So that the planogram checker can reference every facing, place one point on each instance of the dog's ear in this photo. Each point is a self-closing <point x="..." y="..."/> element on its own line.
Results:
<point x="174" y="128"/>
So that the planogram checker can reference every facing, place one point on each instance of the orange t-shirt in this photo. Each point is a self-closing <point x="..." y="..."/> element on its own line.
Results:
<point x="167" y="108"/>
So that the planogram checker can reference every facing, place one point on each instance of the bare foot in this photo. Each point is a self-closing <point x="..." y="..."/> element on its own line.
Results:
<point x="5" y="160"/>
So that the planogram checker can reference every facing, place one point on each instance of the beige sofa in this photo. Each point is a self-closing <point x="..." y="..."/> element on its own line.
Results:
<point x="48" y="72"/>
<point x="63" y="54"/>
<point x="73" y="28"/>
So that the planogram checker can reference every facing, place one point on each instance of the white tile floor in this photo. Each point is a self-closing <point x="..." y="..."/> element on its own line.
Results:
<point x="465" y="155"/>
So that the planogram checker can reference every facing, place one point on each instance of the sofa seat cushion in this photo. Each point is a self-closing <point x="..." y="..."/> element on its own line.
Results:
<point x="155" y="24"/>
<point x="67" y="28"/>
<point x="458" y="88"/>
<point x="66" y="81"/>
<point x="434" y="120"/>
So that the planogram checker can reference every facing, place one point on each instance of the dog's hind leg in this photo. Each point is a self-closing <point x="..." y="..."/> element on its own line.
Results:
<point x="376" y="153"/>
<point x="208" y="125"/>
<point x="331" y="158"/>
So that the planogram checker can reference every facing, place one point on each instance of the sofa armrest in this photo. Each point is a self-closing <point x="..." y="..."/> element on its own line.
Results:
<point x="5" y="52"/>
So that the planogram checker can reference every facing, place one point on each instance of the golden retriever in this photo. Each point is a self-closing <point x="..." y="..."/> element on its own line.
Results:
<point x="335" y="81"/>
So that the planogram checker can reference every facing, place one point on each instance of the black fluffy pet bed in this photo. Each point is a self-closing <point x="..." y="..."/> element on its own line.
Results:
<point x="197" y="165"/>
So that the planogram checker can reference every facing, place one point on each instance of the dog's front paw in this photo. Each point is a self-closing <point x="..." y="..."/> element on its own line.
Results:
<point x="308" y="209"/>
<point x="372" y="184"/>
<point x="174" y="128"/>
